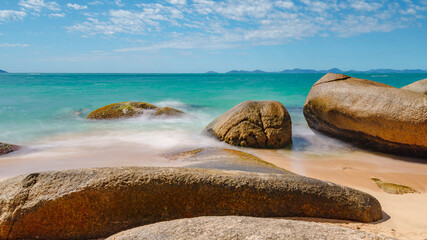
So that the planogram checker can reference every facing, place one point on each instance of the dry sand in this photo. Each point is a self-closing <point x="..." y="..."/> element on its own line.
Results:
<point x="405" y="216"/>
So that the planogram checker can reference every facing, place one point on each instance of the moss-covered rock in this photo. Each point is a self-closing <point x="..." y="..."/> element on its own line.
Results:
<point x="132" y="109"/>
<point x="167" y="111"/>
<point x="8" y="148"/>
<point x="393" y="188"/>
<point x="96" y="203"/>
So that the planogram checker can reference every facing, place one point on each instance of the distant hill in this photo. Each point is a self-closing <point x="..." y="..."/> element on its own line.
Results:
<point x="1" y="71"/>
<point x="335" y="70"/>
<point x="243" y="71"/>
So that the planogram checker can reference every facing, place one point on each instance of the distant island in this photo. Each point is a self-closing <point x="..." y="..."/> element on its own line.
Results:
<point x="1" y="71"/>
<point x="332" y="70"/>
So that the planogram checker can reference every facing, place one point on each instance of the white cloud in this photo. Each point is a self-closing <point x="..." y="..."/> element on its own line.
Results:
<point x="38" y="5"/>
<point x="364" y="6"/>
<point x="95" y="3"/>
<point x="76" y="6"/>
<point x="10" y="15"/>
<point x="13" y="45"/>
<point x="179" y="2"/>
<point x="60" y="15"/>
<point x="208" y="23"/>
<point x="119" y="3"/>
<point x="285" y="4"/>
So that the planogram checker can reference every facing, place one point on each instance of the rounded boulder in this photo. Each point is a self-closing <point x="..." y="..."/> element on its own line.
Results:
<point x="369" y="114"/>
<point x="257" y="124"/>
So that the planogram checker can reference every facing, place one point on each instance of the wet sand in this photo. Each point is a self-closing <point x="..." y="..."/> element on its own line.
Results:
<point x="405" y="216"/>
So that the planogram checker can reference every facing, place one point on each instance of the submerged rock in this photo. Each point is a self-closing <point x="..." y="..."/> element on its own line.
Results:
<point x="418" y="86"/>
<point x="369" y="114"/>
<point x="132" y="109"/>
<point x="226" y="159"/>
<point x="237" y="227"/>
<point x="393" y="188"/>
<point x="96" y="203"/>
<point x="258" y="124"/>
<point x="8" y="148"/>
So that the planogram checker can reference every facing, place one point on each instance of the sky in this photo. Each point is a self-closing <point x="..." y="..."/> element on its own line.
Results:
<point x="192" y="36"/>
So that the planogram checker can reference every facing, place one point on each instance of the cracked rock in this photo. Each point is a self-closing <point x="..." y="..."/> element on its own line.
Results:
<point x="258" y="124"/>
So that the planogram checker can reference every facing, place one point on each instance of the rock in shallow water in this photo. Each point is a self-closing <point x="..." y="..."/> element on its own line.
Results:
<point x="96" y="203"/>
<point x="418" y="86"/>
<point x="8" y="148"/>
<point x="226" y="159"/>
<point x="234" y="227"/>
<point x="132" y="109"/>
<point x="258" y="124"/>
<point x="369" y="114"/>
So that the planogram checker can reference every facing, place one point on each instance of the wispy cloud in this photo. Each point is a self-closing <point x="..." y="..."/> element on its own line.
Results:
<point x="38" y="5"/>
<point x="60" y="15"/>
<point x="13" y="45"/>
<point x="76" y="6"/>
<point x="10" y="15"/>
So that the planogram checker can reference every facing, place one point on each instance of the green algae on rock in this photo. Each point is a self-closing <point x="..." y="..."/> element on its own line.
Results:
<point x="258" y="124"/>
<point x="99" y="202"/>
<point x="240" y="227"/>
<point x="393" y="188"/>
<point x="369" y="114"/>
<point x="132" y="109"/>
<point x="6" y="148"/>
<point x="226" y="159"/>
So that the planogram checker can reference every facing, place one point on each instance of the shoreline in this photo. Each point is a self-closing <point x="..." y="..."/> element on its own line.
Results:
<point x="403" y="214"/>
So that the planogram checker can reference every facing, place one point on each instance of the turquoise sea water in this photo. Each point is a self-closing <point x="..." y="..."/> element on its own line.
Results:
<point x="36" y="108"/>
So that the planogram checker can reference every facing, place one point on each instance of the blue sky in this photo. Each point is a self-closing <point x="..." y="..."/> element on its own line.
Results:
<point x="201" y="35"/>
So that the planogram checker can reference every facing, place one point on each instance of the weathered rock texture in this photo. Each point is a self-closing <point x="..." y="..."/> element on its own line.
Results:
<point x="418" y="86"/>
<point x="258" y="124"/>
<point x="226" y="159"/>
<point x="96" y="203"/>
<point x="234" y="227"/>
<point x="8" y="148"/>
<point x="369" y="114"/>
<point x="132" y="109"/>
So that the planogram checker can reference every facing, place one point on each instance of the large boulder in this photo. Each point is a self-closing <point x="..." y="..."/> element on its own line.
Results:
<point x="418" y="86"/>
<point x="96" y="203"/>
<point x="6" y="148"/>
<point x="258" y="124"/>
<point x="237" y="227"/>
<point x="369" y="114"/>
<point x="132" y="109"/>
<point x="226" y="159"/>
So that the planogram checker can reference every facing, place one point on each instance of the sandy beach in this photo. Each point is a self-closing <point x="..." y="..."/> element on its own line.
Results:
<point x="404" y="215"/>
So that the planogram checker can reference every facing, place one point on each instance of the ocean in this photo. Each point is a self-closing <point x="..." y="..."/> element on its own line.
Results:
<point x="44" y="112"/>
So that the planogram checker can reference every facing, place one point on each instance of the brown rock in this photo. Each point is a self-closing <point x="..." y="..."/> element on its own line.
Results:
<point x="132" y="109"/>
<point x="258" y="124"/>
<point x="96" y="203"/>
<point x="226" y="159"/>
<point x="237" y="227"/>
<point x="369" y="114"/>
<point x="8" y="148"/>
<point x="418" y="86"/>
<point x="167" y="111"/>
